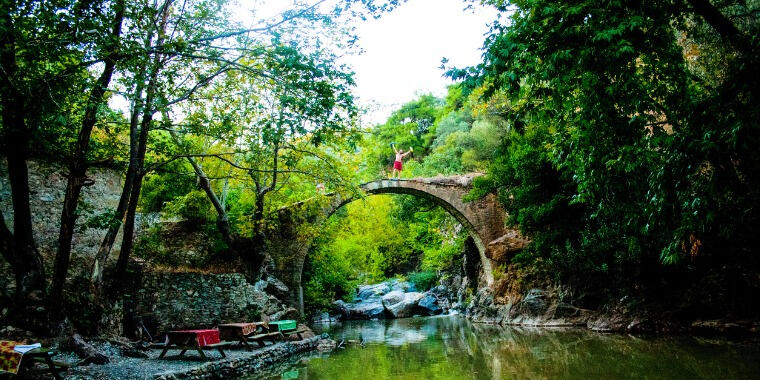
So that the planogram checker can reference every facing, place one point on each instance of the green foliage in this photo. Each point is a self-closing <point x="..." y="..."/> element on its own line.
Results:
<point x="377" y="238"/>
<point x="632" y="160"/>
<point x="423" y="280"/>
<point x="149" y="246"/>
<point x="163" y="187"/>
<point x="193" y="206"/>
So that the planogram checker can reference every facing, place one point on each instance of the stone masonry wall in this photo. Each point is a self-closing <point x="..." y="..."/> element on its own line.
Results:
<point x="168" y="301"/>
<point x="47" y="186"/>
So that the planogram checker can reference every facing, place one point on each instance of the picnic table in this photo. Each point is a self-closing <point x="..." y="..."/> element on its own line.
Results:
<point x="284" y="325"/>
<point x="15" y="362"/>
<point x="243" y="332"/>
<point x="198" y="340"/>
<point x="287" y="327"/>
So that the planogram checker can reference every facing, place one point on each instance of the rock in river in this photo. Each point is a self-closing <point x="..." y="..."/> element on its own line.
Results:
<point x="361" y="310"/>
<point x="367" y="292"/>
<point x="429" y="305"/>
<point x="401" y="305"/>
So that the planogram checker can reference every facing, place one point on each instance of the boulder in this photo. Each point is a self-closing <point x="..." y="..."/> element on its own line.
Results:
<point x="393" y="298"/>
<point x="534" y="302"/>
<point x="340" y="307"/>
<point x="504" y="248"/>
<point x="368" y="310"/>
<point x="428" y="305"/>
<point x="289" y="313"/>
<point x="361" y="310"/>
<point x="401" y="305"/>
<point x="276" y="288"/>
<point x="366" y="292"/>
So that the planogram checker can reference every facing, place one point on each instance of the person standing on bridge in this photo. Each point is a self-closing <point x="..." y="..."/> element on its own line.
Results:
<point x="397" y="167"/>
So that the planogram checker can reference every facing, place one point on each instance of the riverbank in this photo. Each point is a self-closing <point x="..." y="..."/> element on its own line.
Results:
<point x="549" y="307"/>
<point x="553" y="308"/>
<point x="239" y="362"/>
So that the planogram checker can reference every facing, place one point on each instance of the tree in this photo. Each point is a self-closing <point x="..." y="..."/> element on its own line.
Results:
<point x="292" y="106"/>
<point x="78" y="165"/>
<point x="613" y="127"/>
<point x="41" y="102"/>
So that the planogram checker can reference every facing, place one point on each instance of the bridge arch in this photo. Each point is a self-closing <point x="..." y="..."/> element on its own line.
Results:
<point x="448" y="195"/>
<point x="482" y="218"/>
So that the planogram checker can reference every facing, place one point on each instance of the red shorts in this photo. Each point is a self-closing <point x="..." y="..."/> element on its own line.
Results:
<point x="397" y="165"/>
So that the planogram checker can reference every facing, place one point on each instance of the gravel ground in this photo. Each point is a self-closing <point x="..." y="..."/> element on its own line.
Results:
<point x="133" y="368"/>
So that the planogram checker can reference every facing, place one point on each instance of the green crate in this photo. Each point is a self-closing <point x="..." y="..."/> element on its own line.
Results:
<point x="284" y="325"/>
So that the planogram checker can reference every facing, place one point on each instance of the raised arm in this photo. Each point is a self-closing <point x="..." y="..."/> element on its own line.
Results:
<point x="394" y="148"/>
<point x="405" y="153"/>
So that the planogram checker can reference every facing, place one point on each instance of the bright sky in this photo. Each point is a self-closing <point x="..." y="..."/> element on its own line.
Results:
<point x="403" y="49"/>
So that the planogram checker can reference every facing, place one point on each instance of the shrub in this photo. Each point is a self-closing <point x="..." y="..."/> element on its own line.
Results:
<point x="423" y="280"/>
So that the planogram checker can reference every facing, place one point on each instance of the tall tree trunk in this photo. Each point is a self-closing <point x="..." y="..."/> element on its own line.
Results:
<point x="138" y="164"/>
<point x="77" y="177"/>
<point x="26" y="260"/>
<point x="258" y="253"/>
<point x="127" y="240"/>
<point x="104" y="250"/>
<point x="138" y="160"/>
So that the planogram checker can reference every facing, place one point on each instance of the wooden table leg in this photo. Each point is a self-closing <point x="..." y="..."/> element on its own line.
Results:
<point x="51" y="365"/>
<point x="244" y="342"/>
<point x="166" y="348"/>
<point x="182" y="352"/>
<point x="221" y="352"/>
<point x="200" y="351"/>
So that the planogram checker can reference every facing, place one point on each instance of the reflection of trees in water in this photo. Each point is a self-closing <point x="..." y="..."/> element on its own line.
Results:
<point x="450" y="347"/>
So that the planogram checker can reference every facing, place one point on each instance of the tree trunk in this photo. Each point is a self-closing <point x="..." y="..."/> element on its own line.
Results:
<point x="127" y="241"/>
<point x="258" y="254"/>
<point x="722" y="25"/>
<point x="77" y="176"/>
<point x="26" y="260"/>
<point x="113" y="229"/>
<point x="139" y="161"/>
<point x="88" y="353"/>
<point x="222" y="220"/>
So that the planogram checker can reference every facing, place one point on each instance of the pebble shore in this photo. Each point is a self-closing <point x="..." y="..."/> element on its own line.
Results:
<point x="239" y="362"/>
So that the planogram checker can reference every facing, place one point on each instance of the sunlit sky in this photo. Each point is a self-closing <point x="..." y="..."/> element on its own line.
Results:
<point x="403" y="50"/>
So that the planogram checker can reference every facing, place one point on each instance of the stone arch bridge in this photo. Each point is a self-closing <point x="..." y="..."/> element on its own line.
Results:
<point x="483" y="219"/>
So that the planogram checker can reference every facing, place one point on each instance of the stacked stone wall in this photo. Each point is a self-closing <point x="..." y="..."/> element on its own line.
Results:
<point x="47" y="187"/>
<point x="168" y="301"/>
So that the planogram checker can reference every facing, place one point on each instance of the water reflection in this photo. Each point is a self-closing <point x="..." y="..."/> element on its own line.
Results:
<point x="453" y="348"/>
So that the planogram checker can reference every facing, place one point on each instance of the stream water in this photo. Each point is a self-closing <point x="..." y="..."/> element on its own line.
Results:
<point x="453" y="348"/>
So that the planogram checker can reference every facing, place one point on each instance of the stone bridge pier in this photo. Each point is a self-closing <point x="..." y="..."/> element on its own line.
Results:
<point x="483" y="219"/>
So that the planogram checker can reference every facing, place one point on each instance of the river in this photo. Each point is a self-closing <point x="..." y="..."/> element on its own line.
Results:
<point x="451" y="347"/>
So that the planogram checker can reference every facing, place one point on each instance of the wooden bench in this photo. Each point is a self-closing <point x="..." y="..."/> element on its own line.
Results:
<point x="272" y="336"/>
